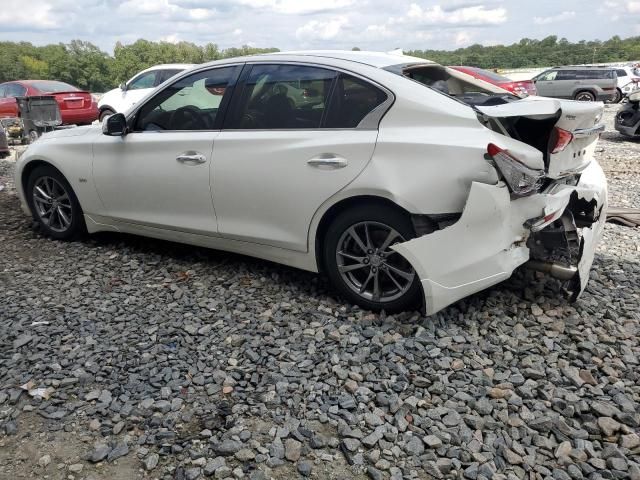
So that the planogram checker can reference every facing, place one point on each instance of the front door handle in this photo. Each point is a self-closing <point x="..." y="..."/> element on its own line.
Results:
<point x="328" y="162"/>
<point x="191" y="158"/>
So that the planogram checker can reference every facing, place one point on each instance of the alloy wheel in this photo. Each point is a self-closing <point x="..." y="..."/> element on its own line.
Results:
<point x="52" y="204"/>
<point x="585" y="97"/>
<point x="369" y="267"/>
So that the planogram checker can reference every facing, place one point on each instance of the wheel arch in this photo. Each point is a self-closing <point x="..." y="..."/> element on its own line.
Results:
<point x="324" y="220"/>
<point x="30" y="167"/>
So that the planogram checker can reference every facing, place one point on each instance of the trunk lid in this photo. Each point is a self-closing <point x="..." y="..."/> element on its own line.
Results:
<point x="534" y="121"/>
<point x="73" y="100"/>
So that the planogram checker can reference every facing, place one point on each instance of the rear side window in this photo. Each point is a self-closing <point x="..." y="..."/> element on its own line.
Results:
<point x="3" y="90"/>
<point x="621" y="73"/>
<point x="164" y="75"/>
<point x="566" y="75"/>
<point x="352" y="100"/>
<point x="283" y="97"/>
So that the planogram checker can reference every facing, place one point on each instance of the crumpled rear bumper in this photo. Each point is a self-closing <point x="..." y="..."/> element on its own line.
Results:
<point x="489" y="241"/>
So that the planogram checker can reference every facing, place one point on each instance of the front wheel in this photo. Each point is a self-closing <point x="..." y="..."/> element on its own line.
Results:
<point x="105" y="113"/>
<point x="585" y="96"/>
<point x="362" y="266"/>
<point x="54" y="204"/>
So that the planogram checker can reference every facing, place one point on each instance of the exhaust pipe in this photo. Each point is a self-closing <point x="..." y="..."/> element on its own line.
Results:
<point x="555" y="270"/>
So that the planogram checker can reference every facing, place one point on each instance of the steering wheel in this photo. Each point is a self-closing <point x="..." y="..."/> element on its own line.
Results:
<point x="187" y="118"/>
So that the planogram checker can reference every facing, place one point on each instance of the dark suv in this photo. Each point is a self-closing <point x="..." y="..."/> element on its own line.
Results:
<point x="587" y="84"/>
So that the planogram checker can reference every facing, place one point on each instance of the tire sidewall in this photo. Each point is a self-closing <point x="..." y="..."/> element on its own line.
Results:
<point x="592" y="97"/>
<point x="373" y="213"/>
<point x="77" y="227"/>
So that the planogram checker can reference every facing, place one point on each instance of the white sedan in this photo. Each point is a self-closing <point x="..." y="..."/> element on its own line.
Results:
<point x="405" y="182"/>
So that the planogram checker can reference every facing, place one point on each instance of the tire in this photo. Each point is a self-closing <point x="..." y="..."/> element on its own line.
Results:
<point x="584" y="96"/>
<point x="617" y="97"/>
<point x="105" y="113"/>
<point x="403" y="293"/>
<point x="59" y="216"/>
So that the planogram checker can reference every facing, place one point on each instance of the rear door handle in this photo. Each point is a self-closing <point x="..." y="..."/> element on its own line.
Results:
<point x="328" y="162"/>
<point x="191" y="158"/>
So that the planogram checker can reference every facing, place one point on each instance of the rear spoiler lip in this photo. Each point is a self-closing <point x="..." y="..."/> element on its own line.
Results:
<point x="587" y="132"/>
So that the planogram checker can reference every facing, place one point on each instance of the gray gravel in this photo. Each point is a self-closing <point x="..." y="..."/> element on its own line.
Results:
<point x="150" y="358"/>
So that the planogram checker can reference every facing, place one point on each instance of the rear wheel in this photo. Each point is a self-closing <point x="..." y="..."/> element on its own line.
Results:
<point x="54" y="204"/>
<point x="585" y="96"/>
<point x="105" y="113"/>
<point x="617" y="97"/>
<point x="360" y="263"/>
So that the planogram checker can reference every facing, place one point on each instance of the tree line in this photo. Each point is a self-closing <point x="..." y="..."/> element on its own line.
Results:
<point x="83" y="64"/>
<point x="547" y="52"/>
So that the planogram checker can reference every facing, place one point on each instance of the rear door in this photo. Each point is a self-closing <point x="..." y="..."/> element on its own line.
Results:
<point x="295" y="136"/>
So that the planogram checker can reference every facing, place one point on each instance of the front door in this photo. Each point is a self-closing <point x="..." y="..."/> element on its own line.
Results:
<point x="287" y="147"/>
<point x="545" y="84"/>
<point x="158" y="174"/>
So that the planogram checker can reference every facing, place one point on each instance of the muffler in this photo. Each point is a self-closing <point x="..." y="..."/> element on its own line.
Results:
<point x="554" y="269"/>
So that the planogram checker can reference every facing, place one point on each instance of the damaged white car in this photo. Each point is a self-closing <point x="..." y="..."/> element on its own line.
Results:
<point x="407" y="183"/>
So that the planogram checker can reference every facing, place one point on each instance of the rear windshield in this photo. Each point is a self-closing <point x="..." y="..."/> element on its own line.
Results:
<point x="454" y="83"/>
<point x="487" y="73"/>
<point x="47" y="86"/>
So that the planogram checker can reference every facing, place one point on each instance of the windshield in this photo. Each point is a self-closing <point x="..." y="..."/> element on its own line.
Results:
<point x="47" y="86"/>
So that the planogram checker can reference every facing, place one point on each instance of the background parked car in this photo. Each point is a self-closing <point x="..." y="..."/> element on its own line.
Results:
<point x="521" y="88"/>
<point x="588" y="84"/>
<point x="4" y="144"/>
<point x="128" y="93"/>
<point x="77" y="107"/>
<point x="628" y="118"/>
<point x="628" y="82"/>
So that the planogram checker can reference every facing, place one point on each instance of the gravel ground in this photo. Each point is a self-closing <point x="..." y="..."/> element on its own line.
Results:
<point x="125" y="357"/>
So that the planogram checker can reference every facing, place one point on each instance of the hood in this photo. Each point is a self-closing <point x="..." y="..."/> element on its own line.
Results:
<point x="68" y="132"/>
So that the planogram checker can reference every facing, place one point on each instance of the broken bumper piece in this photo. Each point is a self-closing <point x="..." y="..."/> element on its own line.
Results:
<point x="489" y="241"/>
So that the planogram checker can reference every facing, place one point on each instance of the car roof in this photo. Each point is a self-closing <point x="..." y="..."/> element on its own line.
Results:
<point x="584" y="67"/>
<point x="370" y="58"/>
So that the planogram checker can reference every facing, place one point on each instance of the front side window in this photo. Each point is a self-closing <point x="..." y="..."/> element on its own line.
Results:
<point x="352" y="100"/>
<point x="283" y="96"/>
<point x="3" y="91"/>
<point x="191" y="103"/>
<point x="146" y="80"/>
<point x="549" y="76"/>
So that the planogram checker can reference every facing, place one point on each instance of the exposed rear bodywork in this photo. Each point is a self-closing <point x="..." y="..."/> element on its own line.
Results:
<point x="554" y="226"/>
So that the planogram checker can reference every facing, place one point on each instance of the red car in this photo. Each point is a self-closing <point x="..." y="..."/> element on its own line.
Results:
<point x="521" y="88"/>
<point x="76" y="106"/>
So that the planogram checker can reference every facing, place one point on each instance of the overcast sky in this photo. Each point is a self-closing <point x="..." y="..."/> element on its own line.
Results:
<point x="303" y="24"/>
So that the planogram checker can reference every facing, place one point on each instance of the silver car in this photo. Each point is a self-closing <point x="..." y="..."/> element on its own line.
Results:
<point x="587" y="84"/>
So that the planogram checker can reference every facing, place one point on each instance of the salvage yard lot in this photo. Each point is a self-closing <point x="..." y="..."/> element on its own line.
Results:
<point x="171" y="361"/>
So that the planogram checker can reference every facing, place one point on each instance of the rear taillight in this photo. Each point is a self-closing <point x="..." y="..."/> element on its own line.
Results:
<point x="521" y="179"/>
<point x="563" y="138"/>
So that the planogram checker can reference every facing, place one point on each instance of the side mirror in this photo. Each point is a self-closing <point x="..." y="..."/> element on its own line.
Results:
<point x="115" y="125"/>
<point x="123" y="87"/>
<point x="634" y="97"/>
